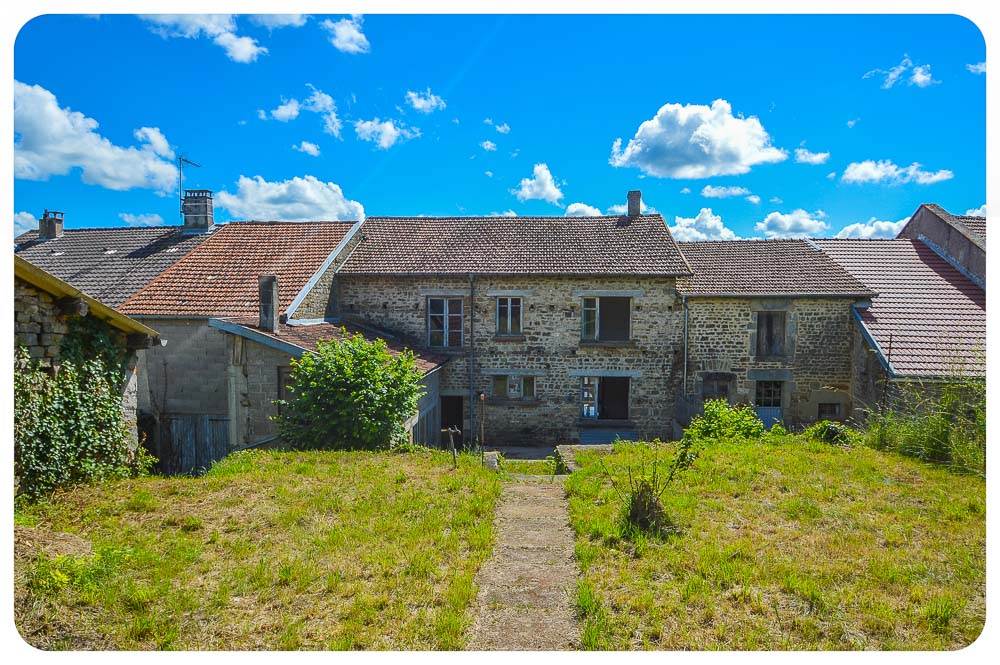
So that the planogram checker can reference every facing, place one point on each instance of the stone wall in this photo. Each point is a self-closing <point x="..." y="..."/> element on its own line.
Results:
<point x="550" y="348"/>
<point x="816" y="367"/>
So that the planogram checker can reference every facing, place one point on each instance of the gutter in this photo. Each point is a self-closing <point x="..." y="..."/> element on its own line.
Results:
<point x="694" y="294"/>
<point x="472" y="354"/>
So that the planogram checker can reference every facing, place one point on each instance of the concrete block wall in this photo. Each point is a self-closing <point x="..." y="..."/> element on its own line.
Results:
<point x="943" y="237"/>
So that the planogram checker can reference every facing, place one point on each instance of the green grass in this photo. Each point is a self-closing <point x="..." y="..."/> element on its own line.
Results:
<point x="317" y="550"/>
<point x="785" y="544"/>
<point x="530" y="467"/>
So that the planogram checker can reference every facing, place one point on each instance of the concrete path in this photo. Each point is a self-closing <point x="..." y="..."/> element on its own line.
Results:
<point x="527" y="587"/>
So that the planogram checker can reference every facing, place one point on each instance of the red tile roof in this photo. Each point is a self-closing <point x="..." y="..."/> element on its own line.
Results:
<point x="306" y="337"/>
<point x="606" y="245"/>
<point x="931" y="316"/>
<point x="219" y="277"/>
<point x="754" y="268"/>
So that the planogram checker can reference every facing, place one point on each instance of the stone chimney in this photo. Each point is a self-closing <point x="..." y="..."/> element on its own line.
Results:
<point x="267" y="288"/>
<point x="50" y="225"/>
<point x="197" y="209"/>
<point x="634" y="203"/>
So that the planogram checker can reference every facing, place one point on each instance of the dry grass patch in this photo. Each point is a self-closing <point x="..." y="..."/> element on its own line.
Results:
<point x="786" y="544"/>
<point x="317" y="550"/>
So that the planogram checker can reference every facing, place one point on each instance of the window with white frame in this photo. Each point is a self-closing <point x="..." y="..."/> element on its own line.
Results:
<point x="508" y="315"/>
<point x="607" y="319"/>
<point x="444" y="322"/>
<point x="513" y="387"/>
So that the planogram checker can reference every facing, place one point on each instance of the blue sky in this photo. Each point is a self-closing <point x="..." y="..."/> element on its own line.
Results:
<point x="746" y="126"/>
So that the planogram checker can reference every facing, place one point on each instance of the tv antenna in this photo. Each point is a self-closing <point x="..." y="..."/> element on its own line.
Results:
<point x="181" y="161"/>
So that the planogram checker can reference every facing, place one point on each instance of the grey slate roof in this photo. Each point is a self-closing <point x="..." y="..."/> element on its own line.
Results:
<point x="608" y="245"/>
<point x="753" y="268"/>
<point x="109" y="264"/>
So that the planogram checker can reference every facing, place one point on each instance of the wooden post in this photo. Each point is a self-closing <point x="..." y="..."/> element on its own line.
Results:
<point x="452" y="431"/>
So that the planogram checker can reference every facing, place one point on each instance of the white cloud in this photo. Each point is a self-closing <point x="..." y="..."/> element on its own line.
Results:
<point x="144" y="219"/>
<point x="275" y="21"/>
<point x="487" y="121"/>
<point x="582" y="210"/>
<point x="503" y="129"/>
<point x="920" y="75"/>
<point x="508" y="213"/>
<point x="346" y="35"/>
<point x="713" y="192"/>
<point x="706" y="225"/>
<point x="50" y="140"/>
<point x="424" y="102"/>
<point x="221" y="28"/>
<point x="803" y="156"/>
<point x="885" y="171"/>
<point x="323" y="104"/>
<point x="288" y="110"/>
<point x="24" y="221"/>
<point x="831" y="175"/>
<point x="775" y="199"/>
<point x="488" y="146"/>
<point x="796" y="224"/>
<point x="299" y="199"/>
<point x="622" y="208"/>
<point x="686" y="190"/>
<point x="978" y="68"/>
<point x="384" y="133"/>
<point x="852" y="122"/>
<point x="542" y="187"/>
<point x="697" y="141"/>
<point x="977" y="212"/>
<point x="489" y="174"/>
<point x="308" y="148"/>
<point x="753" y="198"/>
<point x="873" y="228"/>
<point x="515" y="153"/>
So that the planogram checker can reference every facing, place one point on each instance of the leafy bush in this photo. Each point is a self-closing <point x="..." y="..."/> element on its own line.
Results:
<point x="350" y="393"/>
<point x="832" y="432"/>
<point x="722" y="420"/>
<point x="69" y="428"/>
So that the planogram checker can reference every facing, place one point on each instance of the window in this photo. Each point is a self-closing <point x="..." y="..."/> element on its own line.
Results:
<point x="770" y="334"/>
<point x="715" y="385"/>
<point x="444" y="322"/>
<point x="588" y="396"/>
<point x="606" y="319"/>
<point x="604" y="397"/>
<point x="508" y="316"/>
<point x="768" y="393"/>
<point x="829" y="411"/>
<point x="513" y="387"/>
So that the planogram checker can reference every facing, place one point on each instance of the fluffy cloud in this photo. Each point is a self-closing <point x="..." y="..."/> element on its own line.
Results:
<point x="796" y="224"/>
<point x="919" y="75"/>
<point x="308" y="148"/>
<point x="977" y="212"/>
<point x="144" y="219"/>
<point x="873" y="228"/>
<point x="885" y="171"/>
<point x="288" y="110"/>
<point x="503" y="129"/>
<point x="220" y="28"/>
<point x="51" y="140"/>
<point x="542" y="187"/>
<point x="622" y="208"/>
<point x="424" y="102"/>
<point x="713" y="192"/>
<point x="753" y="198"/>
<point x="346" y="35"/>
<point x="322" y="103"/>
<point x="852" y="122"/>
<point x="582" y="210"/>
<point x="978" y="68"/>
<point x="696" y="141"/>
<point x="489" y="174"/>
<point x="383" y="133"/>
<point x="686" y="190"/>
<point x="706" y="225"/>
<point x="299" y="199"/>
<point x="275" y="21"/>
<point x="24" y="221"/>
<point x="488" y="146"/>
<point x="831" y="175"/>
<point x="803" y="156"/>
<point x="775" y="199"/>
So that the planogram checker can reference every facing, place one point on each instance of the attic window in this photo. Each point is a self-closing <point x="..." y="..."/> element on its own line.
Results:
<point x="770" y="334"/>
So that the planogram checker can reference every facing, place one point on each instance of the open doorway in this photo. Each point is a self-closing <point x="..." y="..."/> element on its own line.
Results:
<point x="605" y="397"/>
<point x="452" y="415"/>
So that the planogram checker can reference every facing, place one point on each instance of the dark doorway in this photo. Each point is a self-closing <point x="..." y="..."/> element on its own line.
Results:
<point x="452" y="415"/>
<point x="612" y="398"/>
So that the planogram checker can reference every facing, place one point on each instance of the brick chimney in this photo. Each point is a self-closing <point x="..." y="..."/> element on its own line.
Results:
<point x="267" y="289"/>
<point x="198" y="210"/>
<point x="634" y="203"/>
<point x="50" y="225"/>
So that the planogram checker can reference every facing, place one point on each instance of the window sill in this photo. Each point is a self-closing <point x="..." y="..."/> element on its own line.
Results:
<point x="600" y="423"/>
<point x="495" y="401"/>
<point x="509" y="338"/>
<point x="626" y="343"/>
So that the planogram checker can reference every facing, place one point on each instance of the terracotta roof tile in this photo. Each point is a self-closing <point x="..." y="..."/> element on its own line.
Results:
<point x="517" y="245"/>
<point x="109" y="264"/>
<point x="764" y="268"/>
<point x="307" y="336"/>
<point x="219" y="278"/>
<point x="932" y="316"/>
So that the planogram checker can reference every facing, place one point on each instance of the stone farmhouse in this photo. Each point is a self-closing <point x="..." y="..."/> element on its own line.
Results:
<point x="531" y="329"/>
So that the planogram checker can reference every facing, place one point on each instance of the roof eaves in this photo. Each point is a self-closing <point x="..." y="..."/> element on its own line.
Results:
<point x="882" y="357"/>
<point x="259" y="337"/>
<point x="779" y="294"/>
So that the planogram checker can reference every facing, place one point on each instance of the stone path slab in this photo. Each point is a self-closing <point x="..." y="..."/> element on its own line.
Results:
<point x="527" y="586"/>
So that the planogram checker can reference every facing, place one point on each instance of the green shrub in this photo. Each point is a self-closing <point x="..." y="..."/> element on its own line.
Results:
<point x="350" y="393"/>
<point x="69" y="427"/>
<point x="832" y="432"/>
<point x="722" y="420"/>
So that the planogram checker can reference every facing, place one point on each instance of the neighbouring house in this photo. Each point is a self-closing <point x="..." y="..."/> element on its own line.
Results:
<point x="927" y="323"/>
<point x="44" y="306"/>
<point x="189" y="409"/>
<point x="958" y="239"/>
